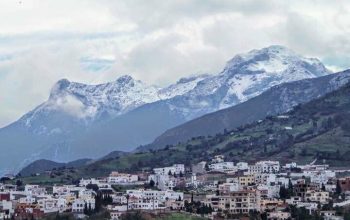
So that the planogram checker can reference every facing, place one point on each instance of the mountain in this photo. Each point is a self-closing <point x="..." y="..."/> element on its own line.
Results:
<point x="279" y="99"/>
<point x="319" y="129"/>
<point x="246" y="76"/>
<point x="88" y="121"/>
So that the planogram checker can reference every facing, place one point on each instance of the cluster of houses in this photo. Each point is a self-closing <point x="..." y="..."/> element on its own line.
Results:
<point x="227" y="188"/>
<point x="33" y="202"/>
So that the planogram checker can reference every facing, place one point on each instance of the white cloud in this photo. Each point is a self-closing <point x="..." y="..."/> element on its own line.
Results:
<point x="156" y="41"/>
<point x="72" y="106"/>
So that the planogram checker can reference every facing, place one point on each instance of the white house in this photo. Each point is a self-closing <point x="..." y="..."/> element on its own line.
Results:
<point x="175" y="169"/>
<point x="226" y="167"/>
<point x="115" y="178"/>
<point x="265" y="167"/>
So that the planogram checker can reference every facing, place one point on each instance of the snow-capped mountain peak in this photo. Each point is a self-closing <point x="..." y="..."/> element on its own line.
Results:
<point x="248" y="75"/>
<point x="275" y="60"/>
<point x="244" y="76"/>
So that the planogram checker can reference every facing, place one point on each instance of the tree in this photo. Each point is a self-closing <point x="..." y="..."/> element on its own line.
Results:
<point x="127" y="202"/>
<point x="169" y="173"/>
<point x="85" y="209"/>
<point x="338" y="188"/>
<point x="94" y="187"/>
<point x="151" y="183"/>
<point x="19" y="183"/>
<point x="98" y="202"/>
<point x="206" y="167"/>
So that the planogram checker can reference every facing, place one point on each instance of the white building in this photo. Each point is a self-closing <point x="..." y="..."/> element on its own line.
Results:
<point x="175" y="169"/>
<point x="34" y="190"/>
<point x="79" y="204"/>
<point x="226" y="167"/>
<point x="48" y="205"/>
<point x="120" y="178"/>
<point x="242" y="166"/>
<point x="265" y="167"/>
<point x="269" y="191"/>
<point x="155" y="195"/>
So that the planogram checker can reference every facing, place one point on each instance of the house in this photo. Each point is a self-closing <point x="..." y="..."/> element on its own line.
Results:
<point x="78" y="206"/>
<point x="301" y="187"/>
<point x="239" y="202"/>
<point x="121" y="178"/>
<point x="265" y="167"/>
<point x="269" y="191"/>
<point x="316" y="196"/>
<point x="175" y="169"/>
<point x="226" y="188"/>
<point x="6" y="209"/>
<point x="265" y="178"/>
<point x="34" y="190"/>
<point x="246" y="180"/>
<point x="48" y="205"/>
<point x="156" y="195"/>
<point x="143" y="204"/>
<point x="225" y="167"/>
<point x="242" y="166"/>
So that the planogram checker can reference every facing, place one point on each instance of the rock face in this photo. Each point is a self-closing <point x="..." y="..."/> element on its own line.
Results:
<point x="88" y="121"/>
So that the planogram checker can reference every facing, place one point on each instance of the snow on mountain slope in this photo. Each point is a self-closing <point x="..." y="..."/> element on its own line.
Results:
<point x="91" y="102"/>
<point x="246" y="76"/>
<point x="181" y="87"/>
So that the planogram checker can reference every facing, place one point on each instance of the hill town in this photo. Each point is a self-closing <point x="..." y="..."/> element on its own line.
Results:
<point x="214" y="189"/>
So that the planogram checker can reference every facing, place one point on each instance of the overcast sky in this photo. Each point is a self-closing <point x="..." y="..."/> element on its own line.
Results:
<point x="95" y="41"/>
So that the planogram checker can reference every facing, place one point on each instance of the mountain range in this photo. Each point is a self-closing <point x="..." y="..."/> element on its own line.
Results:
<point x="276" y="100"/>
<point x="317" y="131"/>
<point x="88" y="121"/>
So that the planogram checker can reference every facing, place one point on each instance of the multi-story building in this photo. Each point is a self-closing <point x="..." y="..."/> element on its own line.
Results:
<point x="265" y="167"/>
<point x="317" y="196"/>
<point x="226" y="167"/>
<point x="226" y="188"/>
<point x="242" y="166"/>
<point x="155" y="195"/>
<point x="301" y="187"/>
<point x="121" y="178"/>
<point x="246" y="180"/>
<point x="34" y="190"/>
<point x="240" y="202"/>
<point x="175" y="169"/>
